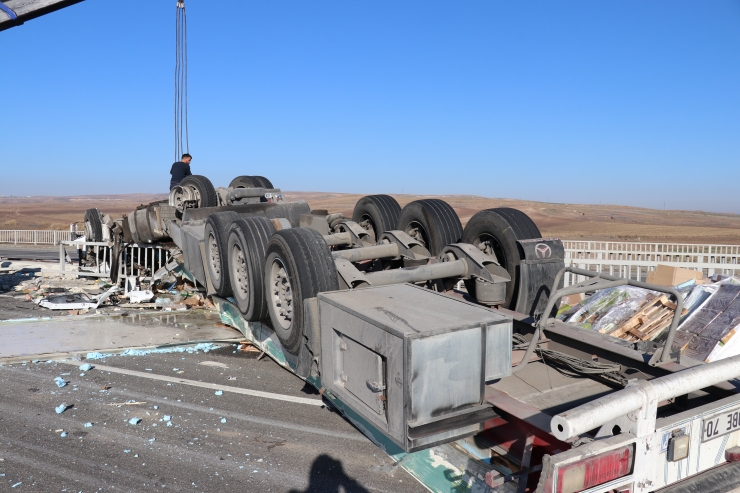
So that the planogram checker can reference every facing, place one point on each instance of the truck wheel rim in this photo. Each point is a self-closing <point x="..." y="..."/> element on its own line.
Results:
<point x="281" y="294"/>
<point x="214" y="257"/>
<point x="177" y="198"/>
<point x="196" y="196"/>
<point x="366" y="222"/>
<point x="417" y="232"/>
<point x="491" y="247"/>
<point x="240" y="273"/>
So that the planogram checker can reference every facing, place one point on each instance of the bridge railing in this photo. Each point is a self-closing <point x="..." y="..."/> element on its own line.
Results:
<point x="36" y="236"/>
<point x="633" y="260"/>
<point x="134" y="260"/>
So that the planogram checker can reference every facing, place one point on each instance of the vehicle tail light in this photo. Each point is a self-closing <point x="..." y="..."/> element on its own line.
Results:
<point x="732" y="454"/>
<point x="594" y="471"/>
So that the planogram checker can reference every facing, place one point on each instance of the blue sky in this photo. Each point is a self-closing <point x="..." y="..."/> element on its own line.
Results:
<point x="622" y="102"/>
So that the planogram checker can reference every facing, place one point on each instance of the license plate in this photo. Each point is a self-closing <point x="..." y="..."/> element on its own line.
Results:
<point x="721" y="424"/>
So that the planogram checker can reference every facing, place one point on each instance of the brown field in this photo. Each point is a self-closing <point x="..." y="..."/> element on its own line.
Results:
<point x="59" y="212"/>
<point x="571" y="221"/>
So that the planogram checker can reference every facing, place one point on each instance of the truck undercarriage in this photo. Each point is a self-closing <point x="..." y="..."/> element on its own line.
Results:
<point x="440" y="343"/>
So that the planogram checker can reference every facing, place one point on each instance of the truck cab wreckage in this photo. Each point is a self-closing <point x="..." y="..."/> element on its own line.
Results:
<point x="440" y="342"/>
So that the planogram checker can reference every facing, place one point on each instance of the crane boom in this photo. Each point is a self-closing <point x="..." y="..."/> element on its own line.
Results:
<point x="16" y="12"/>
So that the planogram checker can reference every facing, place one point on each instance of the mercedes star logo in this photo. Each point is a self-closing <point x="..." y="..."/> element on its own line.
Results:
<point x="542" y="250"/>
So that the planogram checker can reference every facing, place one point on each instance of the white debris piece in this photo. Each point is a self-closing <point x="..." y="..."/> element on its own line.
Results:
<point x="75" y="301"/>
<point x="140" y="296"/>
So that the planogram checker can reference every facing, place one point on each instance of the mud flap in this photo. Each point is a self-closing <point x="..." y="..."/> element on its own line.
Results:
<point x="542" y="259"/>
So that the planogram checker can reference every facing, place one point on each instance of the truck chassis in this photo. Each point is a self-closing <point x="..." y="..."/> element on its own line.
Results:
<point x="553" y="408"/>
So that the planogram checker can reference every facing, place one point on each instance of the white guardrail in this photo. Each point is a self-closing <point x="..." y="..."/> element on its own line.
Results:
<point x="135" y="260"/>
<point x="36" y="237"/>
<point x="633" y="260"/>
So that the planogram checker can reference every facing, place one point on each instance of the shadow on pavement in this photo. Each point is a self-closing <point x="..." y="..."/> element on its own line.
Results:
<point x="327" y="475"/>
<point x="309" y="389"/>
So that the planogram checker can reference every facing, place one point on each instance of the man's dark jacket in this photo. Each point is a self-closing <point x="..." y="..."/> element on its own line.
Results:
<point x="179" y="171"/>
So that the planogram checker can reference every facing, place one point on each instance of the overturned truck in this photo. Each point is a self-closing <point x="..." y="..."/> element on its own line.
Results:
<point x="439" y="341"/>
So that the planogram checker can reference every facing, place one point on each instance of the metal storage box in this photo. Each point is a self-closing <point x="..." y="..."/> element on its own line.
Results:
<point x="411" y="361"/>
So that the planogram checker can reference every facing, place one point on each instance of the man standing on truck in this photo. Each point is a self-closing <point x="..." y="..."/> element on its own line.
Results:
<point x="180" y="170"/>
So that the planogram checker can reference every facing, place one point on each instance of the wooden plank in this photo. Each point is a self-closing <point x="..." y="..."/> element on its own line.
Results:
<point x="650" y="323"/>
<point x="647" y="331"/>
<point x="658" y="324"/>
<point x="635" y="319"/>
<point x="645" y="320"/>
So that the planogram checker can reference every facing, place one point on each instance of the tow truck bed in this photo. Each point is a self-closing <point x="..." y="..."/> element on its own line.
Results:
<point x="514" y="446"/>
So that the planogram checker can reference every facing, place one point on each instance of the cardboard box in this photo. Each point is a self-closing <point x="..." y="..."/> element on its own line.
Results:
<point x="571" y="300"/>
<point x="666" y="275"/>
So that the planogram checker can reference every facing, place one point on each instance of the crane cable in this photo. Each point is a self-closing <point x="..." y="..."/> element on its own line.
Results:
<point x="181" y="81"/>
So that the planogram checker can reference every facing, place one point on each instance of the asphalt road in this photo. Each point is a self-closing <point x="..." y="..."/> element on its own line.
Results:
<point x="35" y="252"/>
<point x="231" y="442"/>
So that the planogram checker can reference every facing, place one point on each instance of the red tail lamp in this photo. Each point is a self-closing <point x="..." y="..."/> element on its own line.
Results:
<point x="593" y="471"/>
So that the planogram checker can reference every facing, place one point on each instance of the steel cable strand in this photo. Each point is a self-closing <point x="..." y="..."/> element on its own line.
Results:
<point x="181" y="84"/>
<point x="185" y="72"/>
<point x="177" y="68"/>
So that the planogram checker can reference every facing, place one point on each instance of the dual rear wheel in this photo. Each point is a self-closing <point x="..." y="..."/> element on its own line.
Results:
<point x="273" y="272"/>
<point x="270" y="273"/>
<point x="377" y="214"/>
<point x="251" y="182"/>
<point x="200" y="189"/>
<point x="298" y="266"/>
<point x="435" y="225"/>
<point x="216" y="238"/>
<point x="432" y="222"/>
<point x="495" y="232"/>
<point x="246" y="247"/>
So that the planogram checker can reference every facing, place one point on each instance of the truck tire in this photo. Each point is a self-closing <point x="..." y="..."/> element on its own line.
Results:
<point x="216" y="239"/>
<point x="204" y="188"/>
<point x="377" y="214"/>
<point x="431" y="221"/>
<point x="251" y="182"/>
<point x="248" y="238"/>
<point x="495" y="232"/>
<point x="143" y="227"/>
<point x="93" y="225"/>
<point x="298" y="266"/>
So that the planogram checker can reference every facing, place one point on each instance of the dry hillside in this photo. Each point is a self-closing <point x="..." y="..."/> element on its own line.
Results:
<point x="563" y="220"/>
